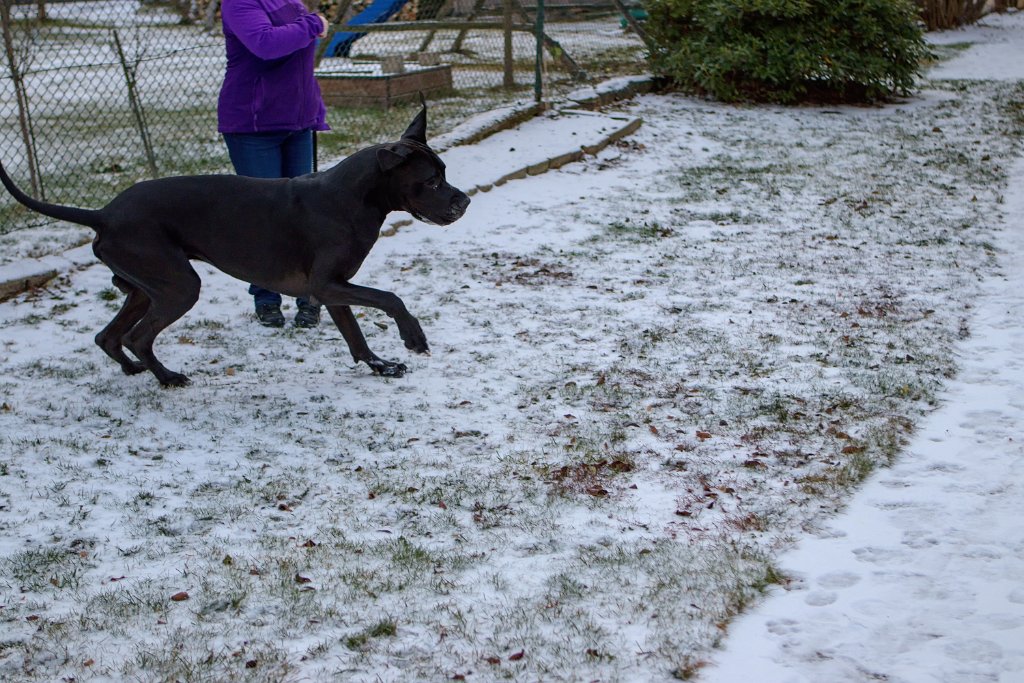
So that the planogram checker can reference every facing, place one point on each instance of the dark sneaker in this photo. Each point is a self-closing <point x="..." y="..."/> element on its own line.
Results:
<point x="269" y="315"/>
<point x="308" y="316"/>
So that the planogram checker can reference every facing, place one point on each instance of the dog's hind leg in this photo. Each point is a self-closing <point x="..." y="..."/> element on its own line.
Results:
<point x="172" y="287"/>
<point x="109" y="338"/>
<point x="346" y="322"/>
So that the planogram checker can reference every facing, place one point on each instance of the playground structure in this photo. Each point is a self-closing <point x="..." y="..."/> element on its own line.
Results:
<point x="340" y="43"/>
<point x="514" y="17"/>
<point x="511" y="8"/>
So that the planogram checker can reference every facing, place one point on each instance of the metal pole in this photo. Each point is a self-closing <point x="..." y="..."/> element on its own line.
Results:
<point x="332" y="28"/>
<point x="21" y="96"/>
<point x="136" y="105"/>
<point x="510" y="80"/>
<point x="538" y="75"/>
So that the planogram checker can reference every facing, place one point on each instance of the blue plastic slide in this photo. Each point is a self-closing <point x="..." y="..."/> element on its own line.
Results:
<point x="378" y="11"/>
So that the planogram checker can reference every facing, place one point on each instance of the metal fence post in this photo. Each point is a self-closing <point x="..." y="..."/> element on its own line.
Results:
<point x="538" y="75"/>
<point x="16" y="63"/>
<point x="510" y="78"/>
<point x="136" y="104"/>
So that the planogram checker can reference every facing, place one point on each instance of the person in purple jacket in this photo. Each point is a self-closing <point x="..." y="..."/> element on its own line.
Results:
<point x="270" y="106"/>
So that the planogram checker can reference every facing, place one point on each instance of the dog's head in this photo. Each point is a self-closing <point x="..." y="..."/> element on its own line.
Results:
<point x="417" y="176"/>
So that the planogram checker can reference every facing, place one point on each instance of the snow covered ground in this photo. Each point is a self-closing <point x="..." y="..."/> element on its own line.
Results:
<point x="652" y="371"/>
<point x="922" y="576"/>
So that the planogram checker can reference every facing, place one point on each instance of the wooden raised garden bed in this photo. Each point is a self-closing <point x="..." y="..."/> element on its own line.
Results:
<point x="366" y="85"/>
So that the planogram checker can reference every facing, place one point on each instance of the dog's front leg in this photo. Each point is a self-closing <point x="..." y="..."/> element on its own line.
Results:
<point x="347" y="294"/>
<point x="346" y="322"/>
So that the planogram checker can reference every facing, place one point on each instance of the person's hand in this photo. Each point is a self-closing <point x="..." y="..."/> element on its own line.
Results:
<point x="323" y="20"/>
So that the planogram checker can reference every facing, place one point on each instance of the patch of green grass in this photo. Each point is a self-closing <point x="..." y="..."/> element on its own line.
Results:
<point x="41" y="569"/>
<point x="385" y="628"/>
<point x="61" y="371"/>
<point x="185" y="656"/>
<point x="639" y="229"/>
<point x="942" y="53"/>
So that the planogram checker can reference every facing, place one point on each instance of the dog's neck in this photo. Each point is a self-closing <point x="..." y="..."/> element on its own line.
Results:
<point x="358" y="181"/>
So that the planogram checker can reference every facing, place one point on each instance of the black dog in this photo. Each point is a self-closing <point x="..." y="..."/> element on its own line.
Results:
<point x="303" y="236"/>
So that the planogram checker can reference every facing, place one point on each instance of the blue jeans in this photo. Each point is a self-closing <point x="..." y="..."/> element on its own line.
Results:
<point x="280" y="154"/>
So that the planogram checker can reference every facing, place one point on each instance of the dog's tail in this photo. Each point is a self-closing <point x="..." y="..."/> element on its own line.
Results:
<point x="87" y="217"/>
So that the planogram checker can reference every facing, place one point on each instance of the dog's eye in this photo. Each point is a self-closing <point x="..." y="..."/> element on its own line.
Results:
<point x="433" y="182"/>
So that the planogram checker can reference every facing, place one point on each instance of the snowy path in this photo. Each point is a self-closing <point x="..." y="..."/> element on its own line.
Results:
<point x="922" y="577"/>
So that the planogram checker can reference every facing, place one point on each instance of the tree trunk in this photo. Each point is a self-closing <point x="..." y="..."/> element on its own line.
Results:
<point x="943" y="14"/>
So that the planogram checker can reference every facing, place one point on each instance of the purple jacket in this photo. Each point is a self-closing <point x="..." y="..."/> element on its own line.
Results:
<point x="269" y="83"/>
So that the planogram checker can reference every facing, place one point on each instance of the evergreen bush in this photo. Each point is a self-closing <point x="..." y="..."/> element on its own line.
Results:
<point x="788" y="50"/>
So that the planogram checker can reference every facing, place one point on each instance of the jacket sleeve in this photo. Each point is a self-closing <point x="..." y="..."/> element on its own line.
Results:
<point x="249" y="21"/>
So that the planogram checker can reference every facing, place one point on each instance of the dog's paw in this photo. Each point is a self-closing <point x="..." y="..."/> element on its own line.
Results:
<point x="386" y="368"/>
<point x="175" y="379"/>
<point x="418" y="346"/>
<point x="412" y="335"/>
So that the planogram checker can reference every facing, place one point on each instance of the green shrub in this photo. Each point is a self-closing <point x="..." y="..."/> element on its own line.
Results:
<point x="788" y="50"/>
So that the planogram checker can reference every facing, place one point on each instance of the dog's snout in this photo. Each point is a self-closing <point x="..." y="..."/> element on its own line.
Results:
<point x="460" y="203"/>
<point x="456" y="207"/>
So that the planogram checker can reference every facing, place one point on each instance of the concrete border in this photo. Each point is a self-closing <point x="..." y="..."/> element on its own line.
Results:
<point x="611" y="91"/>
<point x="20" y="277"/>
<point x="486" y="125"/>
<point x="555" y="162"/>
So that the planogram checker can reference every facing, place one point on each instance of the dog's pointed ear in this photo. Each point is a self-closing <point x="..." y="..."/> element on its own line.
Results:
<point x="391" y="156"/>
<point x="417" y="130"/>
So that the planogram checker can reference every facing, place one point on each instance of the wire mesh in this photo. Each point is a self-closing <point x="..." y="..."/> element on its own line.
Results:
<point x="98" y="94"/>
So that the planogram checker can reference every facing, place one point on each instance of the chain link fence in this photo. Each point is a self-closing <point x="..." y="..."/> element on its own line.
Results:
<point x="98" y="94"/>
